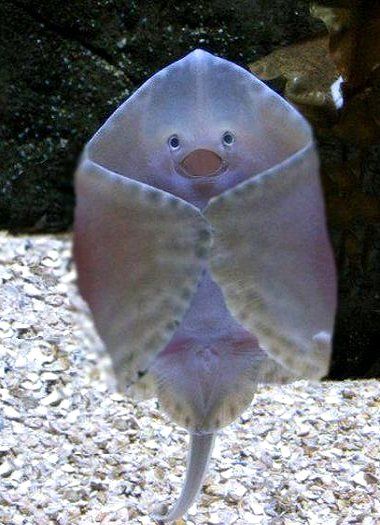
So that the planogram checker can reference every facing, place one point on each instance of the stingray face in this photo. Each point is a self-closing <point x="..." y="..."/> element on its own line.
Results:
<point x="203" y="163"/>
<point x="197" y="128"/>
<point x="201" y="157"/>
<point x="207" y="156"/>
<point x="200" y="162"/>
<point x="197" y="166"/>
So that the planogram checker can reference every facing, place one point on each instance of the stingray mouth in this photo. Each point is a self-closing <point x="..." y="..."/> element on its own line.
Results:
<point x="202" y="163"/>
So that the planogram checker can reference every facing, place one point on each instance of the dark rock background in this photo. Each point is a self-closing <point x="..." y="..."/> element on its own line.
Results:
<point x="65" y="67"/>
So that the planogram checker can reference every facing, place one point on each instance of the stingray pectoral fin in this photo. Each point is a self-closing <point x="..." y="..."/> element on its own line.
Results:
<point x="272" y="258"/>
<point x="139" y="252"/>
<point x="201" y="446"/>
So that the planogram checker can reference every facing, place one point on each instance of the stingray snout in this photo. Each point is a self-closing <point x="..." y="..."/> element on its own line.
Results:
<point x="202" y="163"/>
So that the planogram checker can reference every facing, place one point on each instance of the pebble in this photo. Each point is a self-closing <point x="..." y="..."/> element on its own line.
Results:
<point x="52" y="399"/>
<point x="360" y="479"/>
<point x="6" y="469"/>
<point x="32" y="290"/>
<point x="11" y="413"/>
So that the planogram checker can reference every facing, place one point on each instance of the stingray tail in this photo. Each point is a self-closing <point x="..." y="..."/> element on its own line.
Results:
<point x="201" y="446"/>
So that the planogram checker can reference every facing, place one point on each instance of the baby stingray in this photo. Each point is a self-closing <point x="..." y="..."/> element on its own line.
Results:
<point x="201" y="246"/>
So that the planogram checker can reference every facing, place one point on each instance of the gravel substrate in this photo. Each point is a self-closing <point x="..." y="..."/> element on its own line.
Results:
<point x="72" y="451"/>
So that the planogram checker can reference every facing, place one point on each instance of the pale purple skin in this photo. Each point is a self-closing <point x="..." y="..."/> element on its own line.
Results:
<point x="206" y="369"/>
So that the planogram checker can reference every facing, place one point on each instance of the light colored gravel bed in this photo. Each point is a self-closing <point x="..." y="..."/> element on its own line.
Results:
<point x="74" y="452"/>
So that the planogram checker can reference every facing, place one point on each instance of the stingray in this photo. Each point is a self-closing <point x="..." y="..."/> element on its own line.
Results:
<point x="202" y="248"/>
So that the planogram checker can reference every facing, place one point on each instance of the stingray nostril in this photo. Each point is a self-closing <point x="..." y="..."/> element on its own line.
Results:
<point x="174" y="142"/>
<point x="228" y="138"/>
<point x="201" y="163"/>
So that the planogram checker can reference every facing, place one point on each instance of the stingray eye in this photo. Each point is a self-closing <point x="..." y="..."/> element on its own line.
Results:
<point x="174" y="142"/>
<point x="228" y="138"/>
